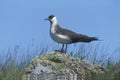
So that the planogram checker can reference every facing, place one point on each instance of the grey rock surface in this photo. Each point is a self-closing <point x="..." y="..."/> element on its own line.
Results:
<point x="57" y="66"/>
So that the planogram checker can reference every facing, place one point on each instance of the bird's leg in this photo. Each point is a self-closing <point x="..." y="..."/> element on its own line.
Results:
<point x="62" y="49"/>
<point x="66" y="48"/>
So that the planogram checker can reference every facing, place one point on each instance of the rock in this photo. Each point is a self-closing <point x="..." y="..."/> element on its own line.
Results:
<point x="57" y="66"/>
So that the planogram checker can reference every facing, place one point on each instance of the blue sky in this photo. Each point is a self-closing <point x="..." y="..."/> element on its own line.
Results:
<point x="22" y="21"/>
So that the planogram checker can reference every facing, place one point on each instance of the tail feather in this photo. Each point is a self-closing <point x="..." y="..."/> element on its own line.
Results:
<point x="83" y="38"/>
<point x="94" y="39"/>
<point x="90" y="39"/>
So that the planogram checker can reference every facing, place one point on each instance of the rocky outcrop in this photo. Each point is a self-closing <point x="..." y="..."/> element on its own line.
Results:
<point x="57" y="66"/>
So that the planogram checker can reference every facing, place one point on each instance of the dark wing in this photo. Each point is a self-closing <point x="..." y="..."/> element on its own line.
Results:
<point x="85" y="38"/>
<point x="75" y="37"/>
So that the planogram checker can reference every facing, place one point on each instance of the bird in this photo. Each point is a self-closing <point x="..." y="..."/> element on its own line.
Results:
<point x="65" y="36"/>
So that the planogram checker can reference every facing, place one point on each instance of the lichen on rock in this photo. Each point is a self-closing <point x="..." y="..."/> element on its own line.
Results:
<point x="54" y="65"/>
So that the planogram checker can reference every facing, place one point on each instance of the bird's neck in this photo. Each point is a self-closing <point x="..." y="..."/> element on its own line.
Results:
<point x="54" y="26"/>
<point x="54" y="23"/>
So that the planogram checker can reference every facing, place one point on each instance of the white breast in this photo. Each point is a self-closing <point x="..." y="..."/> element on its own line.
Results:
<point x="64" y="39"/>
<point x="60" y="38"/>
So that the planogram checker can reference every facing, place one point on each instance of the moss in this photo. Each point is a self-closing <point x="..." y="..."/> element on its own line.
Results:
<point x="62" y="62"/>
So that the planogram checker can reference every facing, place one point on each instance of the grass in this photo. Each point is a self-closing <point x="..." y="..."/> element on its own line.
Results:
<point x="14" y="61"/>
<point x="112" y="73"/>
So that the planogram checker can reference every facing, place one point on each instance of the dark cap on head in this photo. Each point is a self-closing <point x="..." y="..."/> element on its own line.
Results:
<point x="50" y="17"/>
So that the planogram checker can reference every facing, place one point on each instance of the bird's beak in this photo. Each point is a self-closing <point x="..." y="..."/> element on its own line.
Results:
<point x="46" y="19"/>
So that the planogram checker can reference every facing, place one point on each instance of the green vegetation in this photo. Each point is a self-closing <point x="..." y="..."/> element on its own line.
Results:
<point x="14" y="61"/>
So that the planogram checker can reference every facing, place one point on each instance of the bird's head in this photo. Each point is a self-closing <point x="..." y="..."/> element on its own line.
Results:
<point x="51" y="18"/>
